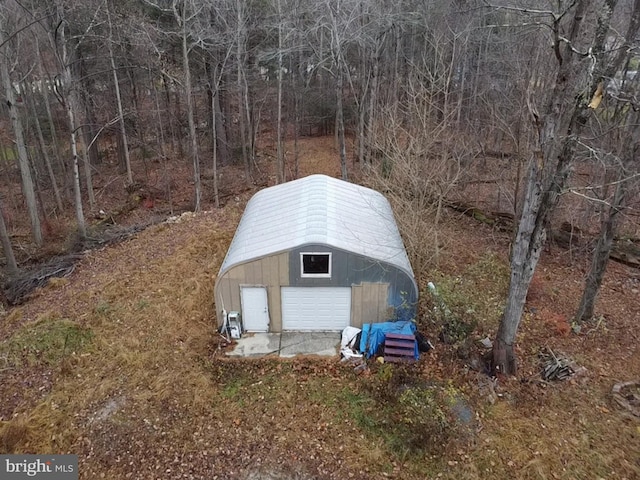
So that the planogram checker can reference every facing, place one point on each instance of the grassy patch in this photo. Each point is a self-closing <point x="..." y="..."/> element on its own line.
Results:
<point x="45" y="343"/>
<point x="394" y="407"/>
<point x="233" y="390"/>
<point x="103" y="308"/>
<point x="471" y="301"/>
<point x="360" y="407"/>
<point x="142" y="304"/>
<point x="394" y="413"/>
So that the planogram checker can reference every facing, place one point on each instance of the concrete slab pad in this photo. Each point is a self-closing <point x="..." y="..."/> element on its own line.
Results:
<point x="256" y="345"/>
<point x="309" y="343"/>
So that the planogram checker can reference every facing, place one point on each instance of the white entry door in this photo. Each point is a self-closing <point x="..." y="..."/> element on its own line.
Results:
<point x="316" y="308"/>
<point x="255" y="310"/>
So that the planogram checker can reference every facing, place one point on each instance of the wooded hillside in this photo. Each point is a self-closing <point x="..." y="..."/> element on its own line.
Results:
<point x="514" y="107"/>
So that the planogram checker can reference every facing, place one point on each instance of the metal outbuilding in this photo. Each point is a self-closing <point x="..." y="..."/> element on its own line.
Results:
<point x="316" y="254"/>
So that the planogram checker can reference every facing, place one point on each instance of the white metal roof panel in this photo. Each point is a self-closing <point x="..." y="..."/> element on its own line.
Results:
<point x="318" y="210"/>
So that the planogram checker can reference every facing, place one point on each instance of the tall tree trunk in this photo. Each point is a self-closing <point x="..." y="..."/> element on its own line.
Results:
<point x="280" y="150"/>
<point x="542" y="193"/>
<point x="139" y="128"/>
<point x="79" y="101"/>
<point x="392" y="97"/>
<point x="600" y="258"/>
<point x="340" y="65"/>
<point x="166" y="81"/>
<point x="86" y="163"/>
<point x="362" y="109"/>
<point x="295" y="89"/>
<point x="190" y="115"/>
<point x="45" y="155"/>
<point x="219" y="134"/>
<point x="461" y="94"/>
<point x="85" y="111"/>
<point x="77" y="195"/>
<point x="559" y="127"/>
<point x="179" y="125"/>
<point x="116" y="84"/>
<point x="49" y="84"/>
<point x="178" y="117"/>
<point x="66" y="184"/>
<point x="631" y="149"/>
<point x="23" y="160"/>
<point x="524" y="258"/>
<point x="242" y="119"/>
<point x="340" y="124"/>
<point x="214" y="80"/>
<point x="251" y="119"/>
<point x="221" y="131"/>
<point x="70" y="104"/>
<point x="75" y="169"/>
<point x="163" y="151"/>
<point x="214" y="133"/>
<point x="372" y="105"/>
<point x="630" y="146"/>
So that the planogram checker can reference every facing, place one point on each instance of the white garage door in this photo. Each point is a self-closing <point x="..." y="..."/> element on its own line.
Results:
<point x="316" y="308"/>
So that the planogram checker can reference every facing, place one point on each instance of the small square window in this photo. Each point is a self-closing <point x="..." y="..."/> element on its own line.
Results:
<point x="315" y="265"/>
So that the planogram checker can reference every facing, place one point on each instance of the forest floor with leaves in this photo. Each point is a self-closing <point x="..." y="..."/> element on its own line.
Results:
<point x="120" y="364"/>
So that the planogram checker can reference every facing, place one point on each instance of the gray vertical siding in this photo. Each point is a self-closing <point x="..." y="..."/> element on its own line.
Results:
<point x="369" y="280"/>
<point x="349" y="269"/>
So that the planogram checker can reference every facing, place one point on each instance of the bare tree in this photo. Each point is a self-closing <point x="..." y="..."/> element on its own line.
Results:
<point x="280" y="147"/>
<point x="626" y="147"/>
<point x="339" y="22"/>
<point x="68" y="96"/>
<point x="11" y="100"/>
<point x="419" y="161"/>
<point x="244" y="111"/>
<point x="580" y="33"/>
<point x="183" y="18"/>
<point x="45" y="153"/>
<point x="185" y="12"/>
<point x="116" y="84"/>
<point x="216" y="77"/>
<point x="48" y="84"/>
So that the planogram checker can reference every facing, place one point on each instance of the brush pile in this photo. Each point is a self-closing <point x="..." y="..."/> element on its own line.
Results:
<point x="556" y="366"/>
<point x="18" y="288"/>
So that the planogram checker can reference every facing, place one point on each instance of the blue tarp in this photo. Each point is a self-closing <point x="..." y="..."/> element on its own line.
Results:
<point x="373" y="335"/>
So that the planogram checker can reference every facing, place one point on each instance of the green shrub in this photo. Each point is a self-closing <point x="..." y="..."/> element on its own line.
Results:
<point x="422" y="418"/>
<point x="472" y="300"/>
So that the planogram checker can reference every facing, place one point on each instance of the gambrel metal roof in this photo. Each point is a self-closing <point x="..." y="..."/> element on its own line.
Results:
<point x="318" y="210"/>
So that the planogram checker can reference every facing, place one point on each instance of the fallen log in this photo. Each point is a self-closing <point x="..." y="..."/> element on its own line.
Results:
<point x="627" y="252"/>
<point x="568" y="236"/>
<point x="502" y="221"/>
